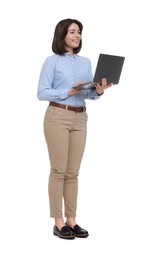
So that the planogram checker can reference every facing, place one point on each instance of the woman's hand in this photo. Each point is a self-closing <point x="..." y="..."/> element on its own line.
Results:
<point x="75" y="90"/>
<point x="100" y="88"/>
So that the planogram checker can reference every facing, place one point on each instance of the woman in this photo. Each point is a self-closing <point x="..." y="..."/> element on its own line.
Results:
<point x="65" y="122"/>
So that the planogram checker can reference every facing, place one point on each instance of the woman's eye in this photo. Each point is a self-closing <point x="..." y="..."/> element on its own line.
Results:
<point x="75" y="32"/>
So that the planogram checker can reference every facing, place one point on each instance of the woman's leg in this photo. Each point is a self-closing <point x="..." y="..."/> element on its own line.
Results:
<point x="77" y="140"/>
<point x="57" y="138"/>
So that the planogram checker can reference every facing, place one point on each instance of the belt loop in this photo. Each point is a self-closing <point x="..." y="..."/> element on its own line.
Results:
<point x="66" y="108"/>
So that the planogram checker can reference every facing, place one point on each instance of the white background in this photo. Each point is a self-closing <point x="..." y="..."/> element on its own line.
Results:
<point x="110" y="201"/>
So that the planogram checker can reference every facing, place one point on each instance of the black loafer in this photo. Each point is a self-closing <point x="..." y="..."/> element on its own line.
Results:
<point x="78" y="231"/>
<point x="65" y="232"/>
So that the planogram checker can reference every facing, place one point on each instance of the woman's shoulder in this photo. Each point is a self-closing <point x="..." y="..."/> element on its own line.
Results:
<point x="83" y="58"/>
<point x="52" y="58"/>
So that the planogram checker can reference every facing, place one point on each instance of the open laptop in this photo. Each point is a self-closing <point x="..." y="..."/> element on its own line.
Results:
<point x="109" y="67"/>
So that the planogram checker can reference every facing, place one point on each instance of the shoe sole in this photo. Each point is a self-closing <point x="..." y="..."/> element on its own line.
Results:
<point x="64" y="237"/>
<point x="81" y="236"/>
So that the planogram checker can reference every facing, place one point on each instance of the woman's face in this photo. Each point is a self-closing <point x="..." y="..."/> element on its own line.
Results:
<point x="72" y="38"/>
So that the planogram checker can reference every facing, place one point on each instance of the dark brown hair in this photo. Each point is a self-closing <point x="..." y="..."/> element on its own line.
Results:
<point x="58" y="44"/>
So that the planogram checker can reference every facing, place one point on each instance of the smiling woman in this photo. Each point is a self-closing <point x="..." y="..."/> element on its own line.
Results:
<point x="72" y="38"/>
<point x="66" y="31"/>
<point x="65" y="122"/>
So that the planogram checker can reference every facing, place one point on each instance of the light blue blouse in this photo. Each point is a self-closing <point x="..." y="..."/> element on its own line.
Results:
<point x="59" y="73"/>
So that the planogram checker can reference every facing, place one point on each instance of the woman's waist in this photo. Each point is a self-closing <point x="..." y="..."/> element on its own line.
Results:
<point x="68" y="107"/>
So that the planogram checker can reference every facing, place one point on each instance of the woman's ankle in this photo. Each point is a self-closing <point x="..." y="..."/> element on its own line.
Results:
<point x="71" y="221"/>
<point x="59" y="222"/>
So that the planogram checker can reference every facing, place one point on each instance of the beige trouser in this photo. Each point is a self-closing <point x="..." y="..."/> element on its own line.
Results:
<point x="65" y="133"/>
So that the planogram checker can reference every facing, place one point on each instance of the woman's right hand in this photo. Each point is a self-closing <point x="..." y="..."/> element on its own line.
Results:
<point x="75" y="90"/>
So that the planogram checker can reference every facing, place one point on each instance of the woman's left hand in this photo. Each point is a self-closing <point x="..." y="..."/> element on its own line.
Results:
<point x="100" y="88"/>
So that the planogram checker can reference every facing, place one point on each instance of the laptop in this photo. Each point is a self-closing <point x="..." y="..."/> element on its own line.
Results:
<point x="109" y="67"/>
